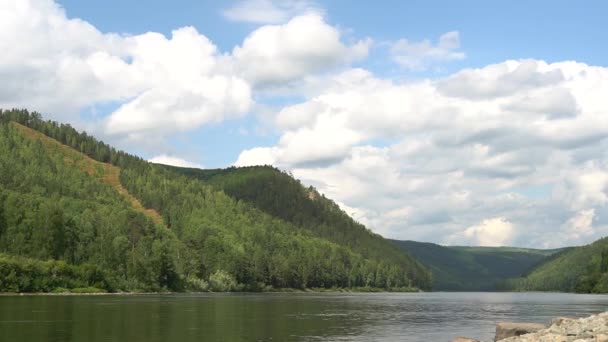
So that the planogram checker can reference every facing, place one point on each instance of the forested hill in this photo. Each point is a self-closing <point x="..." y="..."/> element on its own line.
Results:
<point x="106" y="219"/>
<point x="580" y="269"/>
<point x="278" y="194"/>
<point x="474" y="268"/>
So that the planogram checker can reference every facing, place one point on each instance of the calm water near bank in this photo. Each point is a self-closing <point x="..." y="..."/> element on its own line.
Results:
<point x="280" y="317"/>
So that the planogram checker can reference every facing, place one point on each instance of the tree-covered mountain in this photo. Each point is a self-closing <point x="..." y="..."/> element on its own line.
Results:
<point x="106" y="219"/>
<point x="580" y="269"/>
<point x="473" y="268"/>
<point x="278" y="194"/>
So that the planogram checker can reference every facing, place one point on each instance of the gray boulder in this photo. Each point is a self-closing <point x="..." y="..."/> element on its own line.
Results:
<point x="511" y="329"/>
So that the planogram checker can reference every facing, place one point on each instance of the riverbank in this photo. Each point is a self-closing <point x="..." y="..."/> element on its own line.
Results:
<point x="593" y="328"/>
<point x="589" y="329"/>
<point x="100" y="292"/>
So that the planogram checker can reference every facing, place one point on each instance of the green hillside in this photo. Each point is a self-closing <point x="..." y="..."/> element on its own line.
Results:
<point x="473" y="268"/>
<point x="579" y="269"/>
<point x="117" y="222"/>
<point x="280" y="195"/>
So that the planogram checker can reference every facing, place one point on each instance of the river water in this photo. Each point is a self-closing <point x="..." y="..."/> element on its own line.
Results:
<point x="280" y="316"/>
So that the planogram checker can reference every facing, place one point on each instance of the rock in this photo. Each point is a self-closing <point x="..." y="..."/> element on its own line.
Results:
<point x="510" y="329"/>
<point x="560" y="320"/>
<point x="589" y="329"/>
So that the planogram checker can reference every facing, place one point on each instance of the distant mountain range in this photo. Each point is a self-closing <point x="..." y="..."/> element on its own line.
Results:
<point x="474" y="268"/>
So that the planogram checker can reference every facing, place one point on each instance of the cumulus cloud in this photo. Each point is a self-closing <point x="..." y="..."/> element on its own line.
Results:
<point x="276" y="54"/>
<point x="580" y="225"/>
<point x="415" y="161"/>
<point x="175" y="161"/>
<point x="490" y="232"/>
<point x="516" y="147"/>
<point x="58" y="59"/>
<point x="166" y="84"/>
<point x="554" y="103"/>
<point x="420" y="55"/>
<point x="161" y="85"/>
<point x="498" y="80"/>
<point x="584" y="186"/>
<point x="269" y="11"/>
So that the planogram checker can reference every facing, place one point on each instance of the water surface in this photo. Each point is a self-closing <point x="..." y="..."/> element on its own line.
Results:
<point x="280" y="317"/>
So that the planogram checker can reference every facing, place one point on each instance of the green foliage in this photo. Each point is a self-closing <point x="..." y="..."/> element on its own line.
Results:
<point x="473" y="268"/>
<point x="220" y="281"/>
<point x="89" y="289"/>
<point x="278" y="194"/>
<point x="29" y="275"/>
<point x="581" y="269"/>
<point x="212" y="240"/>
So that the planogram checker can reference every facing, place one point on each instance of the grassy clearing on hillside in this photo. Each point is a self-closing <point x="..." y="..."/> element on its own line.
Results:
<point x="106" y="173"/>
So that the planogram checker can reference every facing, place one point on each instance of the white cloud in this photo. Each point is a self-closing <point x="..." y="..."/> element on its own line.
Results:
<point x="50" y="70"/>
<point x="577" y="230"/>
<point x="501" y="79"/>
<point x="257" y="156"/>
<point x="420" y="55"/>
<point x="175" y="161"/>
<point x="522" y="140"/>
<point x="581" y="225"/>
<point x="584" y="186"/>
<point x="269" y="11"/>
<point x="418" y="162"/>
<point x="166" y="84"/>
<point x="276" y="54"/>
<point x="490" y="232"/>
<point x="162" y="85"/>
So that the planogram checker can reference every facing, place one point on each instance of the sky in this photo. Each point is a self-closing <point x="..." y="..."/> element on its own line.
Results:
<point x="459" y="123"/>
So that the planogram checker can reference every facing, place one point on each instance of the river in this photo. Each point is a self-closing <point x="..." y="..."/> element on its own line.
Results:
<point x="280" y="316"/>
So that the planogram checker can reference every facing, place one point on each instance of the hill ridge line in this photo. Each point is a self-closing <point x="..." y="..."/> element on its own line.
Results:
<point x="110" y="174"/>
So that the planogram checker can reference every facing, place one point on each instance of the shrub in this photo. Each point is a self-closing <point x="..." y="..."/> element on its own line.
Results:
<point x="222" y="281"/>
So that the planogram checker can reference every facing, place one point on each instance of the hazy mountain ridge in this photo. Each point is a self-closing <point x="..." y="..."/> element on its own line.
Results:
<point x="462" y="268"/>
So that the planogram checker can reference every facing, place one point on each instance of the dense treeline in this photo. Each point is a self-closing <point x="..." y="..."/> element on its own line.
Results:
<point x="18" y="274"/>
<point x="258" y="249"/>
<point x="580" y="269"/>
<point x="473" y="268"/>
<point x="280" y="195"/>
<point x="66" y="134"/>
<point x="50" y="209"/>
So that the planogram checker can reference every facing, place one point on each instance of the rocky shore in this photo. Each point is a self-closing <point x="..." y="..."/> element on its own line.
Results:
<point x="589" y="329"/>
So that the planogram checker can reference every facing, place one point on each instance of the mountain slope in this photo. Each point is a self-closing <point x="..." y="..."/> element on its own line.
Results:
<point x="105" y="172"/>
<point x="579" y="269"/>
<point x="473" y="268"/>
<point x="213" y="241"/>
<point x="56" y="205"/>
<point x="280" y="195"/>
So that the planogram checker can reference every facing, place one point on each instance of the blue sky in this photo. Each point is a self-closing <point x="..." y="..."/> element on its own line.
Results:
<point x="490" y="32"/>
<point x="473" y="122"/>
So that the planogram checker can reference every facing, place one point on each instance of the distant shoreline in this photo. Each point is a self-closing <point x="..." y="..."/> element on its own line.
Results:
<point x="19" y="294"/>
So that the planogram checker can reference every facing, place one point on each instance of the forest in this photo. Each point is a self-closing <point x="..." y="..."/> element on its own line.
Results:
<point x="77" y="214"/>
<point x="457" y="268"/>
<point x="581" y="269"/>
